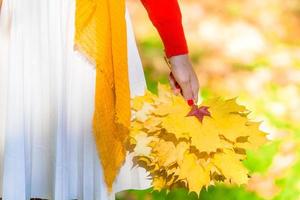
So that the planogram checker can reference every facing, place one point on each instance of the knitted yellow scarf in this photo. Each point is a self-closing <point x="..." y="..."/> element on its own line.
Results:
<point x="101" y="36"/>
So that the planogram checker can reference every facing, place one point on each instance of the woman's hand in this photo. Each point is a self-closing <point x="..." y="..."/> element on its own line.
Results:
<point x="184" y="74"/>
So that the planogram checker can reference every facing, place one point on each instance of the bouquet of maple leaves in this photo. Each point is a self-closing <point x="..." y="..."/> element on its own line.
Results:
<point x="189" y="147"/>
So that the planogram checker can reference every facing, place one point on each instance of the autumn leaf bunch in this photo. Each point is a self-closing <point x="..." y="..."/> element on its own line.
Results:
<point x="184" y="151"/>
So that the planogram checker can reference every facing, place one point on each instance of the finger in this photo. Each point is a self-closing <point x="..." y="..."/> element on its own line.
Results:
<point x="171" y="81"/>
<point x="186" y="89"/>
<point x="195" y="88"/>
<point x="173" y="85"/>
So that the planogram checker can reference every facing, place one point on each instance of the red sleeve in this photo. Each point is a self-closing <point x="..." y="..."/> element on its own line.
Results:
<point x="166" y="17"/>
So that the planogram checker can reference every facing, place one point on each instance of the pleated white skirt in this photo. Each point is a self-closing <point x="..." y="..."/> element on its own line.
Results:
<point x="47" y="148"/>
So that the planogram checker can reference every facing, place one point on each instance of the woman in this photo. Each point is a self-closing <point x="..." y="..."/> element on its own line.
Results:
<point x="47" y="90"/>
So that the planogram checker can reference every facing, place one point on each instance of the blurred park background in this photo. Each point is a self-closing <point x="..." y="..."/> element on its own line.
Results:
<point x="248" y="49"/>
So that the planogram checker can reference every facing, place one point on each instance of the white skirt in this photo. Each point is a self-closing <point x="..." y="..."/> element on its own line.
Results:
<point x="47" y="148"/>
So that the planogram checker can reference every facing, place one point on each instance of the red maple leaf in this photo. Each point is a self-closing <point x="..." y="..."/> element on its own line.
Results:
<point x="199" y="112"/>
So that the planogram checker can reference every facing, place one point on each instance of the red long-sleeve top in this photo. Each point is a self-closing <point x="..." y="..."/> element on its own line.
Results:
<point x="166" y="17"/>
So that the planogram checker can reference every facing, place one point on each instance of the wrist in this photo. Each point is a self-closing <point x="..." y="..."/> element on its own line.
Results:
<point x="176" y="60"/>
<point x="179" y="59"/>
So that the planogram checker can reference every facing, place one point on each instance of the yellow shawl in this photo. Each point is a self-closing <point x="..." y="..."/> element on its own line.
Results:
<point x="101" y="36"/>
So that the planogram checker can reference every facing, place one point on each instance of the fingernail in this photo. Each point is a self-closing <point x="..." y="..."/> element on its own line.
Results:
<point x="190" y="102"/>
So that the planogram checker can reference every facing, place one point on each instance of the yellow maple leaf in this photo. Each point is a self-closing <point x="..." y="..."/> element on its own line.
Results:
<point x="135" y="127"/>
<point x="220" y="108"/>
<point x="152" y="124"/>
<point x="175" y="105"/>
<point x="142" y="144"/>
<point x="207" y="131"/>
<point x="195" y="174"/>
<point x="180" y="128"/>
<point x="143" y="114"/>
<point x="168" y="153"/>
<point x="138" y="102"/>
<point x="233" y="127"/>
<point x="158" y="183"/>
<point x="164" y="96"/>
<point x="255" y="137"/>
<point x="231" y="167"/>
